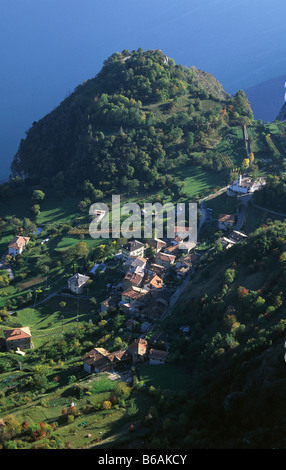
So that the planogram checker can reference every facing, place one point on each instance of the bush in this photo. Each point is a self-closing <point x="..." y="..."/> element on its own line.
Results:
<point x="11" y="445"/>
<point x="106" y="405"/>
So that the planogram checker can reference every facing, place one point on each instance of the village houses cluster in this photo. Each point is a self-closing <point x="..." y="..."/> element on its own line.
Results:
<point x="144" y="297"/>
<point x="142" y="293"/>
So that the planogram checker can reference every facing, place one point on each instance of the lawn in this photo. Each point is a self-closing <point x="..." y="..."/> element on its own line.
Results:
<point x="70" y="241"/>
<point x="237" y="132"/>
<point x="49" y="318"/>
<point x="53" y="211"/>
<point x="165" y="376"/>
<point x="197" y="181"/>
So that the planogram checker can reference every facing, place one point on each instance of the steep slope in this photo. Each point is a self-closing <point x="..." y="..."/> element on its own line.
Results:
<point x="234" y="352"/>
<point x="282" y="113"/>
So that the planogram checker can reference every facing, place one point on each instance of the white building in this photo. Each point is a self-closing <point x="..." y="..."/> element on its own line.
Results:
<point x="225" y="221"/>
<point x="77" y="283"/>
<point x="241" y="186"/>
<point x="133" y="248"/>
<point x="157" y="357"/>
<point x="17" y="245"/>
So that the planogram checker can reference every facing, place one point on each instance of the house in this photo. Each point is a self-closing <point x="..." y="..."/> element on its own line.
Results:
<point x="138" y="350"/>
<point x="186" y="261"/>
<point x="184" y="264"/>
<point x="233" y="238"/>
<point x="182" y="270"/>
<point x="157" y="244"/>
<point x="77" y="283"/>
<point x="156" y="356"/>
<point x="156" y="303"/>
<point x="181" y="231"/>
<point x="225" y="221"/>
<point x="133" y="295"/>
<point x="132" y="279"/>
<point x="17" y="245"/>
<point x="245" y="185"/>
<point x="18" y="338"/>
<point x="100" y="360"/>
<point x="186" y="247"/>
<point x="164" y="259"/>
<point x="173" y="249"/>
<point x="134" y="263"/>
<point x="153" y="281"/>
<point x="132" y="248"/>
<point x="236" y="236"/>
<point x="158" y="269"/>
<point x="106" y="304"/>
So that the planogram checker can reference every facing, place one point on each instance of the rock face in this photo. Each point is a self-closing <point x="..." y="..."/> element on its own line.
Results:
<point x="282" y="115"/>
<point x="209" y="83"/>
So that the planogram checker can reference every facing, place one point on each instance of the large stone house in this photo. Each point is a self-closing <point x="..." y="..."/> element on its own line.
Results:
<point x="164" y="259"/>
<point x="100" y="360"/>
<point x="153" y="281"/>
<point x="132" y="280"/>
<point x="133" y="295"/>
<point x="17" y="245"/>
<point x="18" y="338"/>
<point x="134" y="264"/>
<point x="233" y="238"/>
<point x="157" y="244"/>
<point x="106" y="304"/>
<point x="242" y="185"/>
<point x="77" y="283"/>
<point x="138" y="350"/>
<point x="226" y="221"/>
<point x="156" y="356"/>
<point x="132" y="248"/>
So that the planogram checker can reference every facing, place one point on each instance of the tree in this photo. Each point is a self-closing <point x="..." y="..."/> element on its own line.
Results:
<point x="259" y="303"/>
<point x="150" y="253"/>
<point x="38" y="195"/>
<point x="132" y="408"/>
<point x="190" y="139"/>
<point x="81" y="250"/>
<point x="35" y="209"/>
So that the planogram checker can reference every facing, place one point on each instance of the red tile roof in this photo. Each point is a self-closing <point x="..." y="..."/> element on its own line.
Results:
<point x="18" y="242"/>
<point x="226" y="218"/>
<point x="17" y="333"/>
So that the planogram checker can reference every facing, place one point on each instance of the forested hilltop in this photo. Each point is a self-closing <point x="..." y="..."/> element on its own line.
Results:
<point x="129" y="126"/>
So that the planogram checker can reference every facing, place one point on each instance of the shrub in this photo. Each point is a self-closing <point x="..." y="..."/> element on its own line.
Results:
<point x="106" y="405"/>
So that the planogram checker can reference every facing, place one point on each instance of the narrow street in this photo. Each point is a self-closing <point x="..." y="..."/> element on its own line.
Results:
<point x="245" y="200"/>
